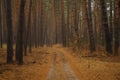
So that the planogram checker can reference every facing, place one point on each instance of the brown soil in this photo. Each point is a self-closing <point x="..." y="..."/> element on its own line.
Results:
<point x="58" y="63"/>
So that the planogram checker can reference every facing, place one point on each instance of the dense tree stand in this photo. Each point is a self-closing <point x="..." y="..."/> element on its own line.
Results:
<point x="59" y="39"/>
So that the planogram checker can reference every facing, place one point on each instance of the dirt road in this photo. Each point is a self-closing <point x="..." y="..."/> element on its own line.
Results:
<point x="60" y="69"/>
<point x="58" y="63"/>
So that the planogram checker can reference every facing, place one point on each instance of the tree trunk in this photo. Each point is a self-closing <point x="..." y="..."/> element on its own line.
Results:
<point x="63" y="24"/>
<point x="116" y="26"/>
<point x="30" y="28"/>
<point x="105" y="27"/>
<point x="90" y="27"/>
<point x="111" y="20"/>
<point x="9" y="32"/>
<point x="20" y="33"/>
<point x="0" y="24"/>
<point x="28" y="32"/>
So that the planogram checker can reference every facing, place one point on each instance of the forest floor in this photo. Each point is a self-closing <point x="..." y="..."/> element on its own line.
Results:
<point x="58" y="63"/>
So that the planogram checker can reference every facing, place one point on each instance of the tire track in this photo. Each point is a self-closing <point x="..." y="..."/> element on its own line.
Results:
<point x="68" y="70"/>
<point x="60" y="69"/>
<point x="52" y="68"/>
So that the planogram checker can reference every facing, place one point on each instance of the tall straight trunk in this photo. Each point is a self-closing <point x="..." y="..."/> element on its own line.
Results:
<point x="84" y="24"/>
<point x="4" y="21"/>
<point x="105" y="27"/>
<point x="90" y="26"/>
<point x="27" y="36"/>
<point x="0" y="24"/>
<point x="30" y="28"/>
<point x="57" y="21"/>
<point x="73" y="21"/>
<point x="63" y="24"/>
<point x="35" y="25"/>
<point x="42" y="23"/>
<point x="111" y="20"/>
<point x="116" y="26"/>
<point x="56" y="25"/>
<point x="39" y="23"/>
<point x="9" y="32"/>
<point x="77" y="8"/>
<point x="20" y="33"/>
<point x="67" y="30"/>
<point x="97" y="22"/>
<point x="35" y="33"/>
<point x="76" y="17"/>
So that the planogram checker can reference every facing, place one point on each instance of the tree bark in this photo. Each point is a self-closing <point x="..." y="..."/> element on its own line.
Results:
<point x="9" y="32"/>
<point x="19" y="51"/>
<point x="105" y="27"/>
<point x="90" y="27"/>
<point x="116" y="26"/>
<point x="1" y="25"/>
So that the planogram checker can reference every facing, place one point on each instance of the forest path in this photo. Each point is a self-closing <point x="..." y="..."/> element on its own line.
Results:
<point x="44" y="63"/>
<point x="60" y="69"/>
<point x="59" y="63"/>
